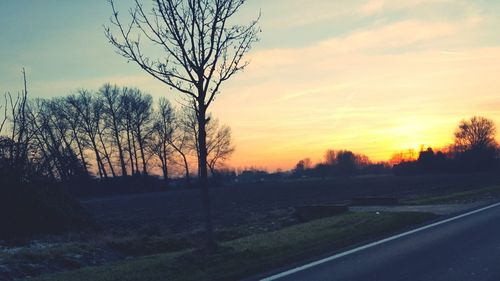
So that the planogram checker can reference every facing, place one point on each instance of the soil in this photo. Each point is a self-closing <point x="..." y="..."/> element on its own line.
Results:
<point x="178" y="211"/>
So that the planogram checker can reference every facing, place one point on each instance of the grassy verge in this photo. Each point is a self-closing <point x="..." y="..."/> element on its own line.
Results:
<point x="253" y="254"/>
<point x="459" y="197"/>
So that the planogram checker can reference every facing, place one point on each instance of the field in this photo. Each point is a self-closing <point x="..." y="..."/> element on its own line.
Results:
<point x="264" y="204"/>
<point x="169" y="224"/>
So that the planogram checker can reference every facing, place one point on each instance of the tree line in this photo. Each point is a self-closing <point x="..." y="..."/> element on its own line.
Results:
<point x="474" y="149"/>
<point x="108" y="133"/>
<point x="339" y="163"/>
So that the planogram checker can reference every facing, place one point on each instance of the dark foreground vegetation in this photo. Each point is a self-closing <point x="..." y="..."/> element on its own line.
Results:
<point x="34" y="208"/>
<point x="253" y="254"/>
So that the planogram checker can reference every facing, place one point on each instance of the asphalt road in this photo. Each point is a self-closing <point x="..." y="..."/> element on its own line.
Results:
<point x="467" y="248"/>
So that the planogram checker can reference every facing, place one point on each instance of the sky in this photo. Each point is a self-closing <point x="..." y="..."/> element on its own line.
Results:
<point x="371" y="76"/>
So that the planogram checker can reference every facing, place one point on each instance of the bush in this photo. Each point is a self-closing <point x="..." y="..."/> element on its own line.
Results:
<point x="41" y="207"/>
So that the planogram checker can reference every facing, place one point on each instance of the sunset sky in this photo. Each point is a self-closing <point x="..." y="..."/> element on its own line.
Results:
<point x="372" y="76"/>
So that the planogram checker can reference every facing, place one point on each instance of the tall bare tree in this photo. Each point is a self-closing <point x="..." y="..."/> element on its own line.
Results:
<point x="113" y="110"/>
<point x="163" y="131"/>
<point x="141" y="117"/>
<point x="181" y="140"/>
<point x="127" y="105"/>
<point x="202" y="49"/>
<point x="72" y="115"/>
<point x="84" y="103"/>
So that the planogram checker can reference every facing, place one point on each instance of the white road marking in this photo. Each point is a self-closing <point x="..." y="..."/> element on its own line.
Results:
<point x="373" y="244"/>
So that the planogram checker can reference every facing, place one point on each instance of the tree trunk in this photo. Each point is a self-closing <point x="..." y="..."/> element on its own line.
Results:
<point x="186" y="169"/>
<point x="100" y="165"/>
<point x="80" y="150"/>
<point x="118" y="144"/>
<point x="164" y="162"/>
<point x="136" y="158"/>
<point x="106" y="155"/>
<point x="120" y="154"/>
<point x="132" y="170"/>
<point x="143" y="156"/>
<point x="212" y="172"/>
<point x="203" y="177"/>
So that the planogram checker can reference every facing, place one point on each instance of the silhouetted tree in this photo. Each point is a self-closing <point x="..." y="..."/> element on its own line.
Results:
<point x="3" y="108"/>
<point x="477" y="133"/>
<point x="322" y="170"/>
<point x="162" y="133"/>
<point x="202" y="50"/>
<point x="19" y="136"/>
<point x="346" y="163"/>
<point x="219" y="144"/>
<point x="72" y="116"/>
<point x="475" y="145"/>
<point x="89" y="113"/>
<point x="330" y="157"/>
<point x="181" y="139"/>
<point x="301" y="167"/>
<point x="113" y="112"/>
<point x="141" y="117"/>
<point x="126" y="100"/>
<point x="408" y="155"/>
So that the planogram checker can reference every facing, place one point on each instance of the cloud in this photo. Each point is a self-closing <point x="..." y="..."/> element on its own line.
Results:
<point x="392" y="36"/>
<point x="302" y="94"/>
<point x="372" y="7"/>
<point x="375" y="91"/>
<point x="378" y="7"/>
<point x="344" y="12"/>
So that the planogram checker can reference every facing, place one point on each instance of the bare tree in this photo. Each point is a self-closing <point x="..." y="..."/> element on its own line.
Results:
<point x="302" y="166"/>
<point x="127" y="104"/>
<point x="202" y="50"/>
<point x="3" y="108"/>
<point x="219" y="144"/>
<point x="477" y="133"/>
<point x="141" y="117"/>
<point x="101" y="134"/>
<point x="181" y="140"/>
<point x="113" y="110"/>
<point x="330" y="157"/>
<point x="163" y="131"/>
<point x="72" y="115"/>
<point x="18" y="125"/>
<point x="89" y="114"/>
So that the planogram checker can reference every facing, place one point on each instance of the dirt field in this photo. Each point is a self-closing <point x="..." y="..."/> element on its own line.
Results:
<point x="166" y="222"/>
<point x="253" y="204"/>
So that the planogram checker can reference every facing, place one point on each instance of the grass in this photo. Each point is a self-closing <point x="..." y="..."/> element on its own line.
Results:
<point x="252" y="254"/>
<point x="147" y="245"/>
<point x="458" y="197"/>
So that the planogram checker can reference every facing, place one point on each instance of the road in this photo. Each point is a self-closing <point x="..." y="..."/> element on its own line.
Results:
<point x="464" y="248"/>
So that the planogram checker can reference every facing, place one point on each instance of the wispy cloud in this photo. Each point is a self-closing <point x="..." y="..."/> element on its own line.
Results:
<point x="301" y="94"/>
<point x="361" y="91"/>
<point x="372" y="7"/>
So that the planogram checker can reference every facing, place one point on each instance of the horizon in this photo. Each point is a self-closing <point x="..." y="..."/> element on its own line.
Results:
<point x="375" y="77"/>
